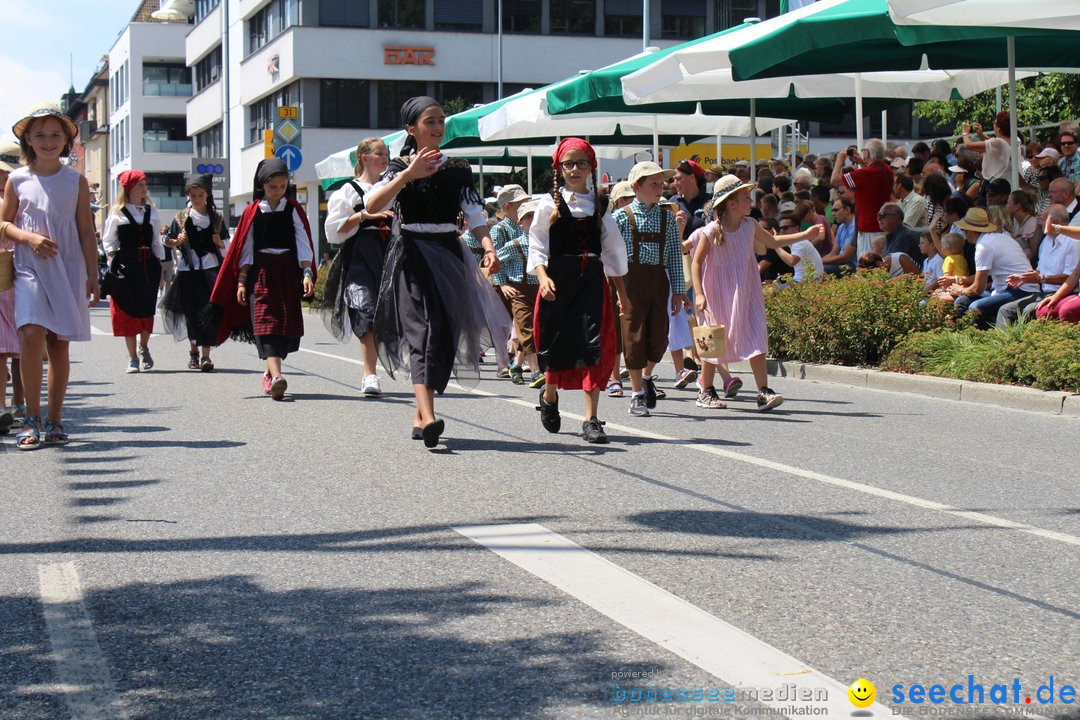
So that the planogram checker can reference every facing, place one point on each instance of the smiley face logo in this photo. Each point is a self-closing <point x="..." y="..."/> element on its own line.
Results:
<point x="862" y="693"/>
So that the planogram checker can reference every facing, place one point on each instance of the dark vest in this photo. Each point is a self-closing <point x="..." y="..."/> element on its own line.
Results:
<point x="436" y="199"/>
<point x="132" y="236"/>
<point x="573" y="235"/>
<point x="274" y="230"/>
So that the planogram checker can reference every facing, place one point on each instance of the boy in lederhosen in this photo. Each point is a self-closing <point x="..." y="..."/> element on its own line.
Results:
<point x="654" y="252"/>
<point x="514" y="284"/>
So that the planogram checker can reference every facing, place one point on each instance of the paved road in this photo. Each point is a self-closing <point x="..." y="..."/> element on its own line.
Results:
<point x="200" y="551"/>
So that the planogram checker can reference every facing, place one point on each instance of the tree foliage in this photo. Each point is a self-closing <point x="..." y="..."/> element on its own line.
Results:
<point x="1048" y="98"/>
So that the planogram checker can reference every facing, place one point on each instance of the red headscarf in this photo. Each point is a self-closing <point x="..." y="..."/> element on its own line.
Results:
<point x="131" y="178"/>
<point x="699" y="172"/>
<point x="573" y="143"/>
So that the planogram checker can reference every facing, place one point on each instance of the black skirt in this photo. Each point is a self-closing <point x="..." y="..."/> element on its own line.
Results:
<point x="352" y="286"/>
<point x="183" y="307"/>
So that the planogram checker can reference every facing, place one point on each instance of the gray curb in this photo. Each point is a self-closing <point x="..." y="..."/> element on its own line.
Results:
<point x="1008" y="396"/>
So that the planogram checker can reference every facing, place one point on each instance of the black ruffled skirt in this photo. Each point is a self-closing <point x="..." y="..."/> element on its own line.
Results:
<point x="352" y="286"/>
<point x="184" y="306"/>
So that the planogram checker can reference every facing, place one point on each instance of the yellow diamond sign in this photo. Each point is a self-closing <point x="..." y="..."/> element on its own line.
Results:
<point x="288" y="130"/>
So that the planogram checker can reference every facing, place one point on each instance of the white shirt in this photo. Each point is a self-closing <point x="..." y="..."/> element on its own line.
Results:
<point x="110" y="239"/>
<point x="931" y="269"/>
<point x="209" y="260"/>
<point x="303" y="248"/>
<point x="612" y="246"/>
<point x="914" y="208"/>
<point x="1001" y="256"/>
<point x="474" y="213"/>
<point x="997" y="159"/>
<point x="339" y="208"/>
<point x="809" y="259"/>
<point x="1058" y="255"/>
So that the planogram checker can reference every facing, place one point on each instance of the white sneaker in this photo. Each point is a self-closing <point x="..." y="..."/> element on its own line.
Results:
<point x="371" y="385"/>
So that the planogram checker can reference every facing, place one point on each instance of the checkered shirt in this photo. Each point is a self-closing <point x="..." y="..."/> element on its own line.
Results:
<point x="648" y="221"/>
<point x="511" y="260"/>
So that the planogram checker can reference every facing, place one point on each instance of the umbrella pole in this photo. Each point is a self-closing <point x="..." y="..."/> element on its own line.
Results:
<point x="719" y="149"/>
<point x="884" y="124"/>
<point x="858" y="111"/>
<point x="655" y="140"/>
<point x="1014" y="147"/>
<point x="793" y="136"/>
<point x="528" y="173"/>
<point x="753" y="140"/>
<point x="481" y="177"/>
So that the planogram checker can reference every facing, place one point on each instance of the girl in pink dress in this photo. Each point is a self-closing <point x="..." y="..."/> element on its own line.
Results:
<point x="727" y="286"/>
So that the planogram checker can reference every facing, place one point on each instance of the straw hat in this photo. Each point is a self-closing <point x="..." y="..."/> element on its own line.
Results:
<point x="10" y="156"/>
<point x="976" y="219"/>
<point x="46" y="110"/>
<point x="724" y="187"/>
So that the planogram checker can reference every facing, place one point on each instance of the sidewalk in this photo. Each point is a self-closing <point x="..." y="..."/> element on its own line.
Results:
<point x="1008" y="396"/>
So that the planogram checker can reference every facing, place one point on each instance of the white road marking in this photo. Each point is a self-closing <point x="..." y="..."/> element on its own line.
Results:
<point x="705" y="640"/>
<point x="789" y="469"/>
<point x="82" y="673"/>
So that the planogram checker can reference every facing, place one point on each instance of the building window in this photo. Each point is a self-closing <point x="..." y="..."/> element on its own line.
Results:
<point x="344" y="104"/>
<point x="262" y="114"/>
<point x="459" y="15"/>
<point x="166" y="79"/>
<point x="730" y="13"/>
<point x="573" y="17"/>
<point x="521" y="16"/>
<point x="402" y="14"/>
<point x="683" y="19"/>
<point x="458" y="96"/>
<point x="208" y="70"/>
<point x="204" y="8"/>
<point x="118" y="141"/>
<point x="271" y="21"/>
<point x="392" y="95"/>
<point x="166" y="135"/>
<point x="622" y="18"/>
<point x="344" y="13"/>
<point x="118" y="87"/>
<point x="167" y="190"/>
<point x="208" y="143"/>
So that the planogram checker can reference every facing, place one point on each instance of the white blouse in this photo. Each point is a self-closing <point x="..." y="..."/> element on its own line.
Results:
<point x="339" y="208"/>
<point x="612" y="246"/>
<point x="209" y="260"/>
<point x="303" y="248"/>
<point x="110" y="239"/>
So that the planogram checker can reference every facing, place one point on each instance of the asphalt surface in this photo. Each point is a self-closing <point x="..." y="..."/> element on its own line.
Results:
<point x="242" y="558"/>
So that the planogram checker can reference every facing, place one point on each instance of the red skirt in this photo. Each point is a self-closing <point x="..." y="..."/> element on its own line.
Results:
<point x="276" y="296"/>
<point x="589" y="377"/>
<point x="124" y="325"/>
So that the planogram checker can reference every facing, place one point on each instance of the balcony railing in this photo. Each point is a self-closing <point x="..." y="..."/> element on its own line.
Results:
<point x="166" y="89"/>
<point x="168" y="146"/>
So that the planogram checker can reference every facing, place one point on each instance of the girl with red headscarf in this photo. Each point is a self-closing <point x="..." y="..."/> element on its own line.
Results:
<point x="573" y="242"/>
<point x="134" y="248"/>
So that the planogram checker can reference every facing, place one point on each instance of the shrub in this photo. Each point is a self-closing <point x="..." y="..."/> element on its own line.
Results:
<point x="856" y="320"/>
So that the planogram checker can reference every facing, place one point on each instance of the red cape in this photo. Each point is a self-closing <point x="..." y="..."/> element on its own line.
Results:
<point x="233" y="314"/>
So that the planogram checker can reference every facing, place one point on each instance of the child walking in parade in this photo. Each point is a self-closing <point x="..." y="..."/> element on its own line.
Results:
<point x="727" y="286"/>
<point x="198" y="233"/>
<point x="132" y="243"/>
<point x="519" y="287"/>
<point x="267" y="271"/>
<point x="621" y="195"/>
<point x="352" y="282"/>
<point x="46" y="214"/>
<point x="654" y="250"/>
<point x="436" y="312"/>
<point x="573" y="243"/>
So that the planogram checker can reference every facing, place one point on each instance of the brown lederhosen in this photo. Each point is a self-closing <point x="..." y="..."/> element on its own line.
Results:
<point x="645" y="330"/>
<point x="521" y="307"/>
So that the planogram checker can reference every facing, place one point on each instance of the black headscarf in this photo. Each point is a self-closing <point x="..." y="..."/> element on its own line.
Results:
<point x="206" y="182"/>
<point x="267" y="168"/>
<point x="410" y="113"/>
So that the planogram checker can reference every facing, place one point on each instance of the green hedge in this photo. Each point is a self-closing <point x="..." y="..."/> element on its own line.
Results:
<point x="855" y="320"/>
<point x="1043" y="354"/>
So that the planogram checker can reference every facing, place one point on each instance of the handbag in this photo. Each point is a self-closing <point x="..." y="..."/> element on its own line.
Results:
<point x="710" y="341"/>
<point x="7" y="261"/>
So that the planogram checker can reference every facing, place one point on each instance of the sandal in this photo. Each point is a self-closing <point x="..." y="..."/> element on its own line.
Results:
<point x="615" y="390"/>
<point x="54" y="433"/>
<point x="206" y="365"/>
<point x="193" y="361"/>
<point x="30" y="437"/>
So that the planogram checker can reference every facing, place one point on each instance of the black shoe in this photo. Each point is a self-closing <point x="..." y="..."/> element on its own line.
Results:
<point x="417" y="433"/>
<point x="549" y="414"/>
<point x="593" y="432"/>
<point x="650" y="393"/>
<point x="431" y="433"/>
<point x="689" y="364"/>
<point x="767" y="400"/>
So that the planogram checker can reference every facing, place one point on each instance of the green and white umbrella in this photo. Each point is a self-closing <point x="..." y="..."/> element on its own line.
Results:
<point x="1059" y="15"/>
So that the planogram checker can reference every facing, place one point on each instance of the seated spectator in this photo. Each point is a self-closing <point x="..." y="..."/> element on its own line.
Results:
<point x="1070" y="159"/>
<point x="807" y="215"/>
<point x="954" y="266"/>
<point x="1063" y="305"/>
<point x="1063" y="192"/>
<point x="931" y="267"/>
<point x="936" y="190"/>
<point x="896" y="264"/>
<point x="1021" y="207"/>
<point x="770" y="266"/>
<point x="841" y="259"/>
<point x="997" y="198"/>
<point x="742" y="171"/>
<point x="820" y="196"/>
<point x="997" y="256"/>
<point x="803" y="179"/>
<point x="1044" y="177"/>
<point x="803" y="257"/>
<point x="915" y="170"/>
<point x="941" y="147"/>
<point x="921" y="151"/>
<point x="770" y="206"/>
<point x="912" y="204"/>
<point x="898" y="237"/>
<point x="1059" y="255"/>
<point x="822" y="169"/>
<point x="964" y="180"/>
<point x="781" y="184"/>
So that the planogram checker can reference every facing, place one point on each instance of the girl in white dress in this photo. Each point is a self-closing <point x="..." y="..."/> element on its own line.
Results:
<point x="46" y="213"/>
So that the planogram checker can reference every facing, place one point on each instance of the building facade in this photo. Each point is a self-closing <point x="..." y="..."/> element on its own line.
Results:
<point x="347" y="65"/>
<point x="90" y="111"/>
<point x="149" y="84"/>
